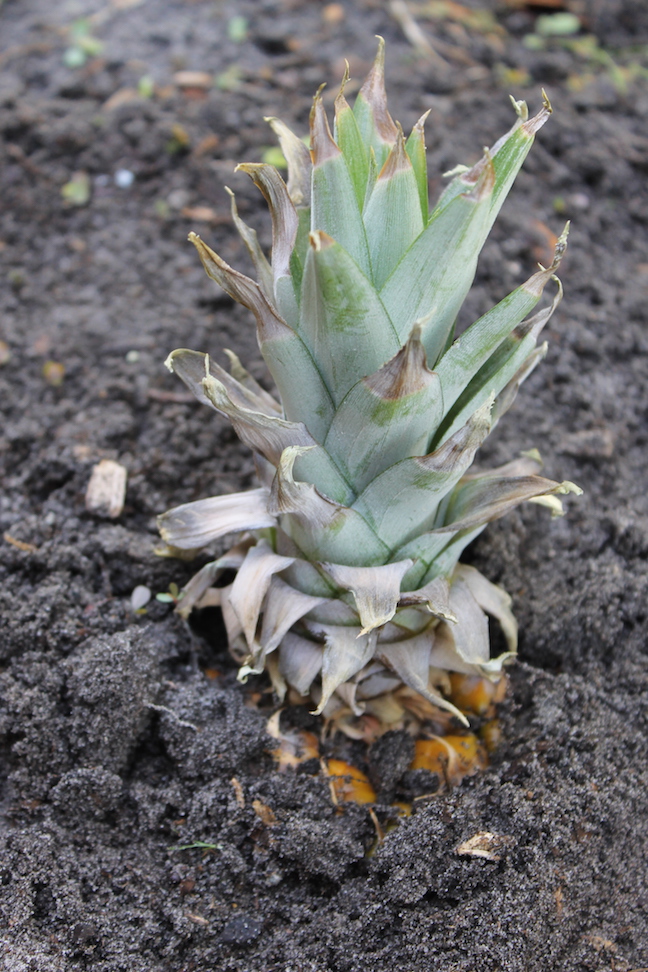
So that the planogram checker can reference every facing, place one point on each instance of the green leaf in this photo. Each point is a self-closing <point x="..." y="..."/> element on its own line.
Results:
<point x="435" y="555"/>
<point x="506" y="156"/>
<point x="392" y="215"/>
<point x="474" y="347"/>
<point x="286" y="355"/>
<point x="376" y="125"/>
<point x="415" y="147"/>
<point x="335" y="209"/>
<point x="355" y="151"/>
<point x="321" y="529"/>
<point x="300" y="250"/>
<point x="431" y="281"/>
<point x="403" y="500"/>
<point x="386" y="417"/>
<point x="500" y="368"/>
<point x="343" y="321"/>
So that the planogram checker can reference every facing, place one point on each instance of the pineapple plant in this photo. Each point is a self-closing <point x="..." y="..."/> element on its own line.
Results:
<point x="349" y="590"/>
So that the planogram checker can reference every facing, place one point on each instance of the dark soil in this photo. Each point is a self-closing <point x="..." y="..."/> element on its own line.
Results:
<point x="117" y="747"/>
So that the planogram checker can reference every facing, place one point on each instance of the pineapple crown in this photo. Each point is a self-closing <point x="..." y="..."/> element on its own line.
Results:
<point x="366" y="499"/>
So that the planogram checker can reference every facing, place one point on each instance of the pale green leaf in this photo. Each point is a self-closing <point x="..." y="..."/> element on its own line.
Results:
<point x="335" y="209"/>
<point x="392" y="215"/>
<point x="403" y="500"/>
<point x="322" y="529"/>
<point x="343" y="321"/>
<point x="431" y="281"/>
<point x="386" y="417"/>
<point x="415" y="147"/>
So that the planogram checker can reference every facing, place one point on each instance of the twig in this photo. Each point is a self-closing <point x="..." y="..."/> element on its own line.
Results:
<point x="403" y="17"/>
<point x="176" y="718"/>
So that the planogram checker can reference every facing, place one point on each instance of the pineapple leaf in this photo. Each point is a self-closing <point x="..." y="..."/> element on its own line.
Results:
<point x="346" y="652"/>
<point x="386" y="417"/>
<point x="444" y="655"/>
<point x="471" y="350"/>
<point x="500" y="368"/>
<point x="404" y="499"/>
<point x="251" y="584"/>
<point x="255" y="421"/>
<point x="415" y="147"/>
<point x="348" y="138"/>
<point x="322" y="529"/>
<point x="335" y="209"/>
<point x="194" y="525"/>
<point x="376" y="590"/>
<point x="507" y="156"/>
<point x="299" y="163"/>
<point x="482" y="499"/>
<point x="300" y="661"/>
<point x="410" y="660"/>
<point x="271" y="435"/>
<point x="285" y="225"/>
<point x="492" y="599"/>
<point x="284" y="215"/>
<point x="370" y="109"/>
<point x="251" y="241"/>
<point x="431" y="281"/>
<point x="240" y="374"/>
<point x="343" y="321"/>
<point x="392" y="214"/>
<point x="470" y="631"/>
<point x="283" y="607"/>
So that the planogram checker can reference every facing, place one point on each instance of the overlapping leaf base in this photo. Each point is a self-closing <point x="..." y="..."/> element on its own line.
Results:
<point x="348" y="586"/>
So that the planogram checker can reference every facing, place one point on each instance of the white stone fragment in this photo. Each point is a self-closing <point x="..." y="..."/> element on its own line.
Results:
<point x="106" y="490"/>
<point x="140" y="597"/>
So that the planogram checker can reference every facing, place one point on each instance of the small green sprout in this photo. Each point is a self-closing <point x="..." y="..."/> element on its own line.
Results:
<point x="172" y="596"/>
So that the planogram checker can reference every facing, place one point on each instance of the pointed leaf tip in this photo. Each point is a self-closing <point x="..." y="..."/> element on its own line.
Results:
<point x="374" y="94"/>
<point x="323" y="146"/>
<point x="405" y="374"/>
<point x="533" y="125"/>
<point x="485" y="178"/>
<point x="340" y="100"/>
<point x="398" y="160"/>
<point x="521" y="108"/>
<point x="376" y="590"/>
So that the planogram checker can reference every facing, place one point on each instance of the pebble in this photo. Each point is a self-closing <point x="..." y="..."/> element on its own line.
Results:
<point x="241" y="930"/>
<point x="589" y="444"/>
<point x="124" y="178"/>
<point x="106" y="490"/>
<point x="140" y="597"/>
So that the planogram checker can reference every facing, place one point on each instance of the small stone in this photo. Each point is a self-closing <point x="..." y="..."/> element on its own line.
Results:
<point x="124" y="178"/>
<point x="54" y="373"/>
<point x="106" y="492"/>
<point x="140" y="597"/>
<point x="589" y="444"/>
<point x="193" y="79"/>
<point x="241" y="930"/>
